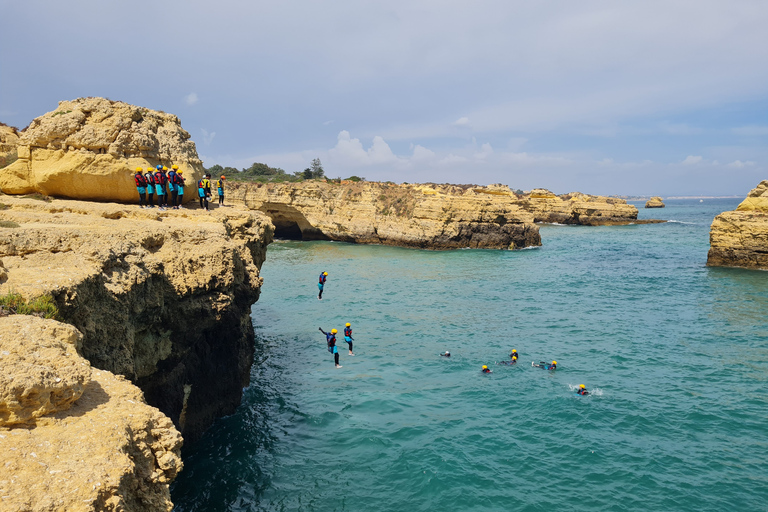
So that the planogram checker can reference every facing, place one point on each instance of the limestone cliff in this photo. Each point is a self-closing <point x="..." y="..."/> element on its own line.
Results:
<point x="654" y="202"/>
<point x="9" y="140"/>
<point x="88" y="149"/>
<point x="423" y="216"/>
<point x="740" y="238"/>
<point x="162" y="298"/>
<point x="72" y="437"/>
<point x="576" y="208"/>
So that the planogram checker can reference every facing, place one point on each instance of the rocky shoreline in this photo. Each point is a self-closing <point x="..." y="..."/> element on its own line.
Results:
<point x="739" y="238"/>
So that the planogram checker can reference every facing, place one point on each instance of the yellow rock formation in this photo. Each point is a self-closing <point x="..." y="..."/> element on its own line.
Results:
<point x="423" y="216"/>
<point x="9" y="140"/>
<point x="654" y="202"/>
<point x="740" y="238"/>
<point x="103" y="448"/>
<point x="88" y="149"/>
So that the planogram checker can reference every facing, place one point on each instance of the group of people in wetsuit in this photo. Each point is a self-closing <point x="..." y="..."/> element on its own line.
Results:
<point x="164" y="183"/>
<point x="330" y="338"/>
<point x="582" y="389"/>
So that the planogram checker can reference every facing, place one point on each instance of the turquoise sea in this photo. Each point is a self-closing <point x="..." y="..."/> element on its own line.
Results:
<point x="675" y="354"/>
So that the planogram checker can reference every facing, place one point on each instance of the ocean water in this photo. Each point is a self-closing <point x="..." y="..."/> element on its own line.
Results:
<point x="675" y="354"/>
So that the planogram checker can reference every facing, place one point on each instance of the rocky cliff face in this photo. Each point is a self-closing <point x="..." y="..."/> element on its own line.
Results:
<point x="425" y="216"/>
<point x="88" y="149"/>
<point x="73" y="437"/>
<point x="654" y="202"/>
<point x="9" y="140"/>
<point x="430" y="217"/>
<point x="162" y="298"/>
<point x="740" y="238"/>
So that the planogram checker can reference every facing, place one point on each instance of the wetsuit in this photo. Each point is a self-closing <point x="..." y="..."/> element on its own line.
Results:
<point x="486" y="370"/>
<point x="320" y="285"/>
<point x="160" y="189"/>
<point x="331" y="340"/>
<point x="202" y="190"/>
<point x="220" y="190"/>
<point x="179" y="189"/>
<point x="150" y="189"/>
<point x="172" y="187"/>
<point x="348" y="337"/>
<point x="141" y="187"/>
<point x="583" y="392"/>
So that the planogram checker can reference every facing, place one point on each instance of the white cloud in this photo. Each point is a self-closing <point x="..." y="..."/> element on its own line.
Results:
<point x="349" y="151"/>
<point x="692" y="160"/>
<point x="738" y="164"/>
<point x="451" y="159"/>
<point x="326" y="123"/>
<point x="462" y="121"/>
<point x="421" y="154"/>
<point x="485" y="151"/>
<point x="191" y="98"/>
<point x="207" y="137"/>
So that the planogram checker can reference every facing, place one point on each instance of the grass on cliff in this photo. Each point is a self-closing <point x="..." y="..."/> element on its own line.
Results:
<point x="13" y="303"/>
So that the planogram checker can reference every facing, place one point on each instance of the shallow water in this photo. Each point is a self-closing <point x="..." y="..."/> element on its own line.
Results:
<point x="676" y="355"/>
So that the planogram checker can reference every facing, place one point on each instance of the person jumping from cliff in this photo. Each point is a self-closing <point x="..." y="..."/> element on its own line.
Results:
<point x="141" y="186"/>
<point x="203" y="184"/>
<point x="321" y="284"/>
<point x="348" y="337"/>
<point x="150" y="187"/>
<point x="220" y="189"/>
<point x="330" y="338"/>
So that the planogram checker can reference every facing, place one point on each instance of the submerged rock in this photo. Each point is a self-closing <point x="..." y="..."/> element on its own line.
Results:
<point x="740" y="238"/>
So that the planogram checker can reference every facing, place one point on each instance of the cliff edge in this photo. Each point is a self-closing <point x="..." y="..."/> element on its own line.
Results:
<point x="739" y="238"/>
<point x="162" y="298"/>
<point x="72" y="437"/>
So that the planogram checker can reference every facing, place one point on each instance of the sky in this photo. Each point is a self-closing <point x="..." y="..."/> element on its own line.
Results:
<point x="631" y="97"/>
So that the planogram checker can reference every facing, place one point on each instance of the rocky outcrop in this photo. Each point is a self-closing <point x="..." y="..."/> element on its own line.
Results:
<point x="654" y="202"/>
<point x="576" y="208"/>
<point x="88" y="441"/>
<point x="88" y="149"/>
<point x="162" y="298"/>
<point x="422" y="216"/>
<point x="9" y="140"/>
<point x="739" y="238"/>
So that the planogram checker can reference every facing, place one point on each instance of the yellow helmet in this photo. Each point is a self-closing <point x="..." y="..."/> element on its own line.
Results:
<point x="165" y="168"/>
<point x="348" y="324"/>
<point x="150" y="169"/>
<point x="325" y="273"/>
<point x="334" y="331"/>
<point x="179" y="172"/>
<point x="513" y="351"/>
<point x="139" y="169"/>
<point x="582" y="386"/>
<point x="485" y="367"/>
<point x="175" y="167"/>
<point x="554" y="362"/>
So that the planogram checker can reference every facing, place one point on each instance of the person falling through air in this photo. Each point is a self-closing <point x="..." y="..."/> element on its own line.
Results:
<point x="321" y="284"/>
<point x="348" y="337"/>
<point x="330" y="338"/>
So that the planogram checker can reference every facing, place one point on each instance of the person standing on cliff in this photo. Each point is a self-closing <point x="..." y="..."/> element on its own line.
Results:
<point x="348" y="337"/>
<point x="203" y="184"/>
<point x="172" y="186"/>
<point x="180" y="187"/>
<point x="164" y="172"/>
<point x="220" y="189"/>
<point x="150" y="188"/>
<point x="141" y="186"/>
<point x="330" y="337"/>
<point x="159" y="188"/>
<point x="321" y="284"/>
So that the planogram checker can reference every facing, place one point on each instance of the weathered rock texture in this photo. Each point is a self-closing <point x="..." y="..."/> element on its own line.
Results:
<point x="654" y="202"/>
<point x="9" y="140"/>
<point x="162" y="298"/>
<point x="740" y="238"/>
<point x="88" y="149"/>
<point x="41" y="370"/>
<point x="576" y="208"/>
<point x="102" y="448"/>
<point x="423" y="216"/>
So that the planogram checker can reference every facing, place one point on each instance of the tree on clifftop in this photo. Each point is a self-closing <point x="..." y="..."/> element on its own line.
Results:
<point x="317" y="169"/>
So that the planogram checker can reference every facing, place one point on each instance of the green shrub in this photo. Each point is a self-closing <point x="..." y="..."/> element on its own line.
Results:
<point x="8" y="224"/>
<point x="43" y="306"/>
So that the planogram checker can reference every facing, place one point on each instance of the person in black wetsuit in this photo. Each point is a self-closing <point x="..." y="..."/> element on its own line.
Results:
<point x="330" y="337"/>
<point x="446" y="354"/>
<point x="321" y="284"/>
<point x="486" y="369"/>
<point x="546" y="366"/>
<point x="348" y="337"/>
<point x="582" y="390"/>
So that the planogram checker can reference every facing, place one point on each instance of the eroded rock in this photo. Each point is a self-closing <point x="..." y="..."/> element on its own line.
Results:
<point x="739" y="238"/>
<point x="654" y="202"/>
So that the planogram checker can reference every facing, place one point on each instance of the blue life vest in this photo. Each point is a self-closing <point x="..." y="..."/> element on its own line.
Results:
<point x="322" y="279"/>
<point x="348" y="331"/>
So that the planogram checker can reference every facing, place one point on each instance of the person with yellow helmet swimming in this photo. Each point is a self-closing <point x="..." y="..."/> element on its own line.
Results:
<point x="348" y="336"/>
<point x="486" y="369"/>
<point x="513" y="358"/>
<point x="582" y="390"/>
<point x="543" y="365"/>
<point x="330" y="338"/>
<point x="321" y="284"/>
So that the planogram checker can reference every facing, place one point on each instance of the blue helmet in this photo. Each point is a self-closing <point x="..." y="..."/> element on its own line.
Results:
<point x="159" y="167"/>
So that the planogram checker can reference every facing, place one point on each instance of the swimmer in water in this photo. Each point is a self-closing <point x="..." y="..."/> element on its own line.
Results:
<point x="486" y="369"/>
<point x="582" y="390"/>
<point x="546" y="366"/>
<point x="513" y="358"/>
<point x="446" y="354"/>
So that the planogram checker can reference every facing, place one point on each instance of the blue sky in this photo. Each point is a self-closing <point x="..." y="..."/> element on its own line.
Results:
<point x="612" y="97"/>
